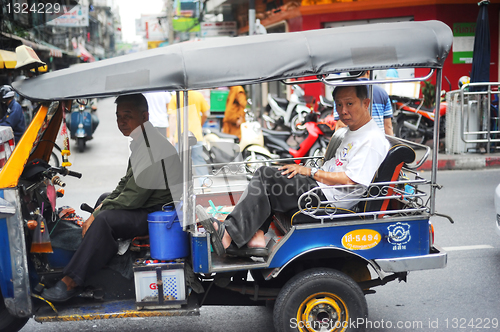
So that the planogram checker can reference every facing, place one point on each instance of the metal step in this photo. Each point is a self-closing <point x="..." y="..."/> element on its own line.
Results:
<point x="111" y="309"/>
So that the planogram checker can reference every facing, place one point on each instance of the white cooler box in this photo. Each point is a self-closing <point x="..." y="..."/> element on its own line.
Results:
<point x="152" y="279"/>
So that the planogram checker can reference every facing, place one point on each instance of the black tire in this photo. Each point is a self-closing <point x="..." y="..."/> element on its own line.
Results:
<point x="255" y="156"/>
<point x="324" y="298"/>
<point x="9" y="323"/>
<point x="406" y="133"/>
<point x="316" y="151"/>
<point x="296" y="126"/>
<point x="268" y="124"/>
<point x="81" y="144"/>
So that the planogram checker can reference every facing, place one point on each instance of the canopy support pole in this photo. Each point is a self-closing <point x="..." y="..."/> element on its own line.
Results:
<point x="435" y="147"/>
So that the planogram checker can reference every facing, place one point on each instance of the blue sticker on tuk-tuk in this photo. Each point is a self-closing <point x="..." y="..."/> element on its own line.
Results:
<point x="399" y="235"/>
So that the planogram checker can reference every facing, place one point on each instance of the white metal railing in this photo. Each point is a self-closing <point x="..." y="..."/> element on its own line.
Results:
<point x="471" y="113"/>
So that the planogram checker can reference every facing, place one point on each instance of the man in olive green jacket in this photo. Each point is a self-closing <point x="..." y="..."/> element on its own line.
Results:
<point x="145" y="188"/>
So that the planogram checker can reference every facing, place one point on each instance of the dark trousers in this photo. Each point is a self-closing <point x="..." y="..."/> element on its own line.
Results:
<point x="100" y="242"/>
<point x="268" y="192"/>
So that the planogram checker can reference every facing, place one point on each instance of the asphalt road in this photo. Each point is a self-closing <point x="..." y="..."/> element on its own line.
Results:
<point x="465" y="296"/>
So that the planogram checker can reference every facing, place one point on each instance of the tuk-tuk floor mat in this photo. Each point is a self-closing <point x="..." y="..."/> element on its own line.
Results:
<point x="111" y="309"/>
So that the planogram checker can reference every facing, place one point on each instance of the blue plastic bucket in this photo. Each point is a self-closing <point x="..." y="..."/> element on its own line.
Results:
<point x="167" y="240"/>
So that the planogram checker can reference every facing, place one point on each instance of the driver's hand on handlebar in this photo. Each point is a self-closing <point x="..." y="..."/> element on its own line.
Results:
<point x="87" y="224"/>
<point x="294" y="169"/>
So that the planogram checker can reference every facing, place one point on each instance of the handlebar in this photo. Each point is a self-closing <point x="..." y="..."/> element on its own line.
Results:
<point x="64" y="171"/>
<point x="86" y="207"/>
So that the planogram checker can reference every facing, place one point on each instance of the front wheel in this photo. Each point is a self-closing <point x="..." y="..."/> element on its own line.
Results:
<point x="257" y="160"/>
<point x="54" y="160"/>
<point x="81" y="144"/>
<point x="271" y="115"/>
<point x="320" y="299"/>
<point x="296" y="124"/>
<point x="406" y="133"/>
<point x="317" y="153"/>
<point x="9" y="323"/>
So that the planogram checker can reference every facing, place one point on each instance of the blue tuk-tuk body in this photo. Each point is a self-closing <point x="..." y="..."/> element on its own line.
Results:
<point x="320" y="263"/>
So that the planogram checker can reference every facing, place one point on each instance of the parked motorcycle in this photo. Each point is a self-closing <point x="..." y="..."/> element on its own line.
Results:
<point x="414" y="122"/>
<point x="225" y="148"/>
<point x="82" y="122"/>
<point x="324" y="107"/>
<point x="289" y="113"/>
<point x="313" y="145"/>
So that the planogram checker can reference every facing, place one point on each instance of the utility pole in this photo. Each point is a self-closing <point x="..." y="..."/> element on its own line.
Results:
<point x="251" y="31"/>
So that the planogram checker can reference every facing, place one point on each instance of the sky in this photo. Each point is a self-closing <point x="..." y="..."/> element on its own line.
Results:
<point x="132" y="9"/>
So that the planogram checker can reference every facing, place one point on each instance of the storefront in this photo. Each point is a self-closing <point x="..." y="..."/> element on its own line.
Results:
<point x="460" y="15"/>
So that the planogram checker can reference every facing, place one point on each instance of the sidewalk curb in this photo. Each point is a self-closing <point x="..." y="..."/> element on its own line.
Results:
<point x="463" y="163"/>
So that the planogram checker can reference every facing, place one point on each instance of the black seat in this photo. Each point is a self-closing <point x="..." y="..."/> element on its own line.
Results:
<point x="389" y="170"/>
<point x="282" y="102"/>
<point x="279" y="133"/>
<point x="225" y="136"/>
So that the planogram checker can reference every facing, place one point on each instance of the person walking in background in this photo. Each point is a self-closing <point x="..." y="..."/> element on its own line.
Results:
<point x="382" y="111"/>
<point x="11" y="113"/>
<point x="198" y="111"/>
<point x="234" y="115"/>
<point x="157" y="103"/>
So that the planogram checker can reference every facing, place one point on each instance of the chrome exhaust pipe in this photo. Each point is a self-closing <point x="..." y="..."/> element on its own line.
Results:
<point x="410" y="126"/>
<point x="268" y="118"/>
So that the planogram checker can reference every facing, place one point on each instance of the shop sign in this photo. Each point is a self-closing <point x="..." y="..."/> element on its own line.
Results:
<point x="463" y="42"/>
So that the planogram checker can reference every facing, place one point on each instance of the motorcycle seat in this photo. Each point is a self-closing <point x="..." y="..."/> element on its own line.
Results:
<point x="224" y="135"/>
<point x="278" y="133"/>
<point x="282" y="102"/>
<point x="279" y="141"/>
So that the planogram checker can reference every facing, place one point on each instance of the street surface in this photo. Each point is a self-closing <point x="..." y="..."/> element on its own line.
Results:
<point x="465" y="296"/>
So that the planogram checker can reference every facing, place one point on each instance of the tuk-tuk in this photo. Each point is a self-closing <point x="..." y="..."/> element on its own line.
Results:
<point x="320" y="264"/>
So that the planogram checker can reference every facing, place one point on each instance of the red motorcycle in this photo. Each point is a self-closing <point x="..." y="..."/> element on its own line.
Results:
<point x="414" y="122"/>
<point x="317" y="136"/>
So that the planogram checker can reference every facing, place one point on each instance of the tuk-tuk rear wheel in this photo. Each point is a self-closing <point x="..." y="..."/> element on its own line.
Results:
<point x="320" y="299"/>
<point x="9" y="323"/>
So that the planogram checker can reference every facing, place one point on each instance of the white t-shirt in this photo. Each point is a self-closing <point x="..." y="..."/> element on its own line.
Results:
<point x="359" y="156"/>
<point x="157" y="105"/>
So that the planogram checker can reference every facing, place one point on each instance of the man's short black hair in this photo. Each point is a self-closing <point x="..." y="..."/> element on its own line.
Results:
<point x="361" y="90"/>
<point x="137" y="99"/>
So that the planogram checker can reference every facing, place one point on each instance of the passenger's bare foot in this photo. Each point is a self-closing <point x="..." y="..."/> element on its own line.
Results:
<point x="258" y="240"/>
<point x="226" y="239"/>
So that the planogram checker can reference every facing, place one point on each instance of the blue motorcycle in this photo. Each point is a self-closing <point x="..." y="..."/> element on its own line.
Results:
<point x="82" y="122"/>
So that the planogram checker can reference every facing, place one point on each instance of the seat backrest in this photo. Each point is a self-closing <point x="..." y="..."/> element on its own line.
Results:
<point x="389" y="170"/>
<point x="334" y="143"/>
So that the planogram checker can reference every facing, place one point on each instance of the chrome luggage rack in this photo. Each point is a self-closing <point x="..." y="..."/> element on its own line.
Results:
<point x="407" y="192"/>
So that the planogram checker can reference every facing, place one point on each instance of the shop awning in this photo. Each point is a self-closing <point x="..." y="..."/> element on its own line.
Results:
<point x="8" y="59"/>
<point x="53" y="51"/>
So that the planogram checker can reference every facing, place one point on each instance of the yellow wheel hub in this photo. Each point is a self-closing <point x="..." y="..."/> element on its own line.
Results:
<point x="322" y="312"/>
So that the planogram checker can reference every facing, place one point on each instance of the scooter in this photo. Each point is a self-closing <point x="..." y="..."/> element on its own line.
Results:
<point x="225" y="148"/>
<point x="324" y="107"/>
<point x="415" y="122"/>
<point x="291" y="114"/>
<point x="313" y="145"/>
<point x="82" y="123"/>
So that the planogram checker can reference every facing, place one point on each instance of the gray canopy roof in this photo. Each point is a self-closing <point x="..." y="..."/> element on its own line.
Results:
<point x="251" y="59"/>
